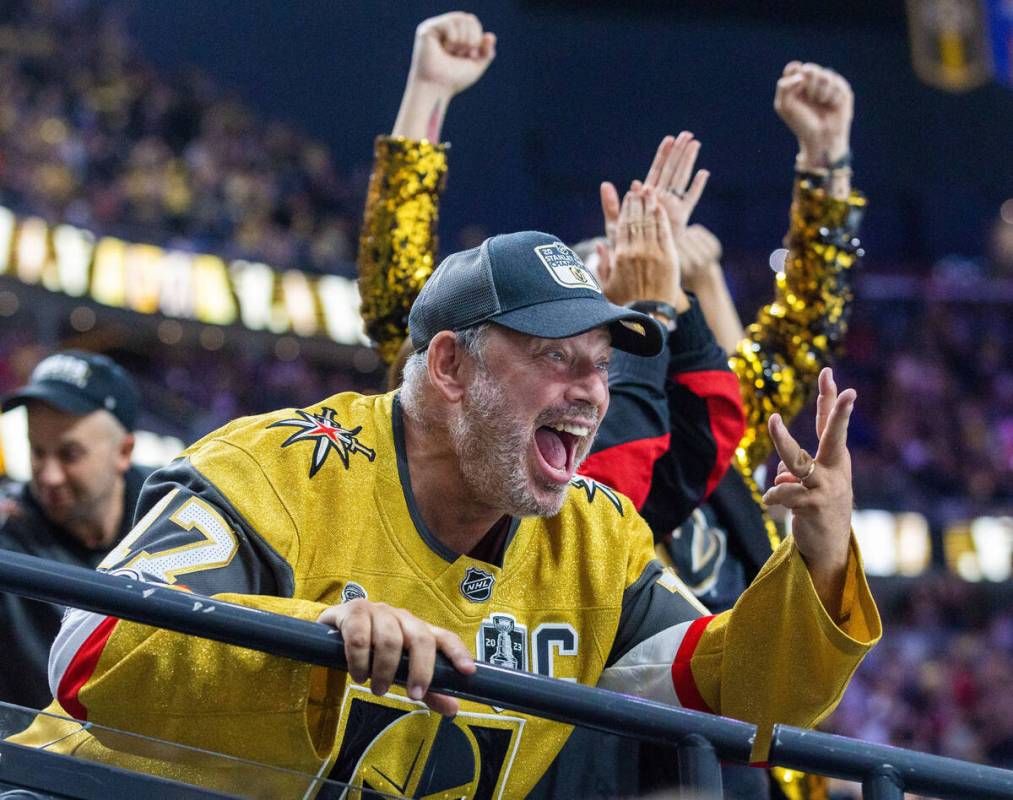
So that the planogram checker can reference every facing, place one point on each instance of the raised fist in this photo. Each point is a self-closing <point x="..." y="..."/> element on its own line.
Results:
<point x="817" y="105"/>
<point x="452" y="51"/>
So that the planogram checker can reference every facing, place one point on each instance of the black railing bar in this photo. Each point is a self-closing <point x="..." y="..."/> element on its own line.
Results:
<point x="882" y="784"/>
<point x="920" y="773"/>
<point x="311" y="642"/>
<point x="699" y="769"/>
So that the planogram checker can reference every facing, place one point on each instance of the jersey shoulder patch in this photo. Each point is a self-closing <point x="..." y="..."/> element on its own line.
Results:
<point x="325" y="433"/>
<point x="338" y="432"/>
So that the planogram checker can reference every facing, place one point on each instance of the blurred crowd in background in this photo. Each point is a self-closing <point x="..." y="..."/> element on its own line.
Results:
<point x="935" y="425"/>
<point x="933" y="366"/>
<point x="941" y="681"/>
<point x="92" y="135"/>
<point x="190" y="391"/>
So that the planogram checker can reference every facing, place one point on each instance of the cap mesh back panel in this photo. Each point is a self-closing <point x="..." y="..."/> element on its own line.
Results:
<point x="459" y="294"/>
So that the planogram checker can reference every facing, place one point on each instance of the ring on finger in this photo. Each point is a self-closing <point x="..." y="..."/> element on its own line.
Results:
<point x="677" y="192"/>
<point x="809" y="473"/>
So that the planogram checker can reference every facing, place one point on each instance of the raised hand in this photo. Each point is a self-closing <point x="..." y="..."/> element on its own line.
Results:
<point x="669" y="176"/>
<point x="669" y="180"/>
<point x="818" y="489"/>
<point x="699" y="251"/>
<point x="645" y="265"/>
<point x="376" y="634"/>
<point x="610" y="213"/>
<point x="451" y="52"/>
<point x="817" y="105"/>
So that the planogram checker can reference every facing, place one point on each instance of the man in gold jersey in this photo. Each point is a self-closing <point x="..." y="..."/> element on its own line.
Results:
<point x="448" y="517"/>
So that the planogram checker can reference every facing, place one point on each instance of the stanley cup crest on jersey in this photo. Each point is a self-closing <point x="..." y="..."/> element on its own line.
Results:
<point x="503" y="641"/>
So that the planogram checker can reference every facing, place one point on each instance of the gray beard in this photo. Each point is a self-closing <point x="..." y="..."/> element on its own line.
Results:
<point x="491" y="446"/>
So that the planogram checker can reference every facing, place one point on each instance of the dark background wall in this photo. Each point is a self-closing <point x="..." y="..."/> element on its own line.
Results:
<point x="582" y="91"/>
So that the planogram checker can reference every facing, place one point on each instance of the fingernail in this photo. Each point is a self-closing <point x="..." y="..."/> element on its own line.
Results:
<point x="416" y="692"/>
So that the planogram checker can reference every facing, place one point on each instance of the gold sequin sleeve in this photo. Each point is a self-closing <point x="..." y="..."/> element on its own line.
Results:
<point x="795" y="336"/>
<point x="397" y="245"/>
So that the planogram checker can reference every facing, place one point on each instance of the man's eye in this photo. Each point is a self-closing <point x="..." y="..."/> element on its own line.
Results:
<point x="602" y="366"/>
<point x="557" y="356"/>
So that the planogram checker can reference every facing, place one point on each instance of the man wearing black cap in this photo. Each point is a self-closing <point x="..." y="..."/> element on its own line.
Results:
<point x="78" y="504"/>
<point x="449" y="517"/>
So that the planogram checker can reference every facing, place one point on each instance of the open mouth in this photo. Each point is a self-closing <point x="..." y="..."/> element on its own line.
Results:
<point x="557" y="448"/>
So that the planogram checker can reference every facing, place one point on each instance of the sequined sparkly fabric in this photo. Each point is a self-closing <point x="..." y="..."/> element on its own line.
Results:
<point x="796" y="335"/>
<point x="397" y="245"/>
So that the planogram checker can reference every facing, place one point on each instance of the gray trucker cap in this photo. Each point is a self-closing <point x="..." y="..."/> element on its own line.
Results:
<point x="529" y="282"/>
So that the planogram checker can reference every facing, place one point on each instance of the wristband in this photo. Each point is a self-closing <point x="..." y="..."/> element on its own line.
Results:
<point x="661" y="311"/>
<point x="842" y="164"/>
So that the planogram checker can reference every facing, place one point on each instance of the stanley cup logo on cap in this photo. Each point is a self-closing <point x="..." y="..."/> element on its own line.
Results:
<point x="67" y="369"/>
<point x="565" y="267"/>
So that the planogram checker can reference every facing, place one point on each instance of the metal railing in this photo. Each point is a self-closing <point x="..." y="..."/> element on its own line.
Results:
<point x="702" y="740"/>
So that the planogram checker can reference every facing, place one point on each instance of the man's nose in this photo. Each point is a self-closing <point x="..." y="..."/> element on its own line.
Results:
<point x="49" y="472"/>
<point x="589" y="385"/>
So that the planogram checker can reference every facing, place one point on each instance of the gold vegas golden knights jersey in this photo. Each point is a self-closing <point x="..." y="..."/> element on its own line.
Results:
<point x="300" y="509"/>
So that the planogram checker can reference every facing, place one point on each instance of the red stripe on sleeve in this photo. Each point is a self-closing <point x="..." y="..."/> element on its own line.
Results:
<point x="627" y="467"/>
<point x="682" y="674"/>
<point x="720" y="390"/>
<point x="81" y="668"/>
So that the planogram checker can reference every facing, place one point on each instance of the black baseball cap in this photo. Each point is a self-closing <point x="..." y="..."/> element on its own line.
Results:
<point x="79" y="383"/>
<point x="529" y="282"/>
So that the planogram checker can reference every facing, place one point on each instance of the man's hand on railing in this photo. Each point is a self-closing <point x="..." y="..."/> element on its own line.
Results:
<point x="375" y="635"/>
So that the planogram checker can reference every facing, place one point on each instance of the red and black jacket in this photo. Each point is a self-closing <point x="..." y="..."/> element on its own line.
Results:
<point x="673" y="422"/>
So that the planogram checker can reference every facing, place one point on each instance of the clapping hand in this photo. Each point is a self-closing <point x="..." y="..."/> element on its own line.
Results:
<point x="671" y="184"/>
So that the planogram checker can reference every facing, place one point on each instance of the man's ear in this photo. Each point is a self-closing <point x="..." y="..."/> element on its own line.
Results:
<point x="126" y="450"/>
<point x="447" y="366"/>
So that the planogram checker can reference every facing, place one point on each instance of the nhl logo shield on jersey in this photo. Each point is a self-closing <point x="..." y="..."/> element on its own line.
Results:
<point x="477" y="585"/>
